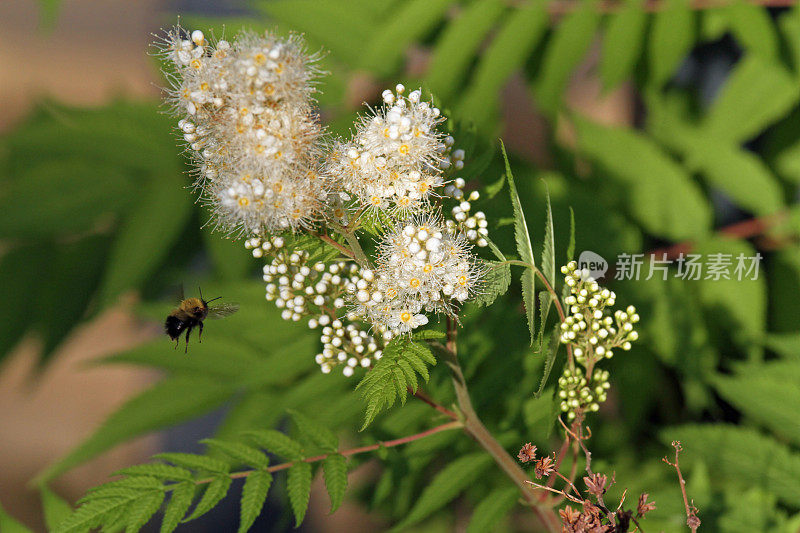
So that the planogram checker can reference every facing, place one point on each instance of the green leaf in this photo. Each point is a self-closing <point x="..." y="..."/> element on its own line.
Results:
<point x="740" y="457"/>
<point x="215" y="492"/>
<point x="240" y="453"/>
<point x="9" y="524"/>
<point x="766" y="393"/>
<point x="552" y="353"/>
<point x="381" y="386"/>
<point x="784" y="344"/>
<point x="622" y="43"/>
<point x="522" y="29"/>
<point x="410" y="21"/>
<point x="738" y="173"/>
<point x="21" y="272"/>
<point x="496" y="281"/>
<point x="56" y="509"/>
<point x="548" y="248"/>
<point x="298" y="485"/>
<point x="57" y="197"/>
<point x="753" y="28"/>
<point x="179" y="502"/>
<point x="458" y="44"/>
<point x="92" y="514"/>
<point x="195" y="462"/>
<point x="334" y="468"/>
<point x="445" y="486"/>
<point x="756" y="94"/>
<point x="571" y="245"/>
<point x="492" y="509"/>
<point x="143" y="509"/>
<point x="315" y="432"/>
<point x="524" y="248"/>
<point x="254" y="493"/>
<point x="570" y="40"/>
<point x="170" y="401"/>
<point x="277" y="443"/>
<point x="661" y="196"/>
<point x="157" y="470"/>
<point x="671" y="38"/>
<point x="740" y="305"/>
<point x="147" y="234"/>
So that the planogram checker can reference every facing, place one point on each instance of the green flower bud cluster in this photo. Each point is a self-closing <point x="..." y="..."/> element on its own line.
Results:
<point x="579" y="395"/>
<point x="593" y="333"/>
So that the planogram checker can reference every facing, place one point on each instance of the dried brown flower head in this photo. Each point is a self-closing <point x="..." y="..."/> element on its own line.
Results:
<point x="644" y="506"/>
<point x="596" y="484"/>
<point x="544" y="467"/>
<point x="527" y="453"/>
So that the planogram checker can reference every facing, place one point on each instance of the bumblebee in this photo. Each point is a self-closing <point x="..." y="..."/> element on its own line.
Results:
<point x="190" y="313"/>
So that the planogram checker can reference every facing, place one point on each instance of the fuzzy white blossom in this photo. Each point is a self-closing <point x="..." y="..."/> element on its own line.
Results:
<point x="421" y="267"/>
<point x="395" y="160"/>
<point x="247" y="117"/>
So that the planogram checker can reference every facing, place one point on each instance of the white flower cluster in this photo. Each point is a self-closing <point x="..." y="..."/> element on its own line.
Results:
<point x="247" y="116"/>
<point x="302" y="289"/>
<point x="421" y="266"/>
<point x="474" y="227"/>
<point x="396" y="157"/>
<point x="593" y="334"/>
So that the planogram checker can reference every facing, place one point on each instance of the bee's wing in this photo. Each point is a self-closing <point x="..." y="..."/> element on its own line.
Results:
<point x="222" y="310"/>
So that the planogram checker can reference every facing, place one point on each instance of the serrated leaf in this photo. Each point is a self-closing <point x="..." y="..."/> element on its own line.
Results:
<point x="740" y="457"/>
<point x="179" y="502"/>
<point x="315" y="432"/>
<point x="491" y="510"/>
<point x="56" y="509"/>
<point x="254" y="493"/>
<point x="277" y="443"/>
<point x="157" y="470"/>
<point x="520" y="33"/>
<point x="548" y="248"/>
<point x="552" y="352"/>
<point x="240" y="453"/>
<point x="214" y="493"/>
<point x="170" y="401"/>
<point x="195" y="462"/>
<point x="143" y="509"/>
<point x="755" y="95"/>
<point x="495" y="283"/>
<point x="445" y="486"/>
<point x="567" y="47"/>
<point x="92" y="514"/>
<point x="334" y="468"/>
<point x="524" y="248"/>
<point x="571" y="245"/>
<point x="298" y="485"/>
<point x="671" y="38"/>
<point x="9" y="524"/>
<point x="622" y="43"/>
<point x="661" y="196"/>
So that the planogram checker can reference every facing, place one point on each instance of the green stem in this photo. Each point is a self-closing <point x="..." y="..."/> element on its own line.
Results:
<point x="352" y="241"/>
<point x="475" y="428"/>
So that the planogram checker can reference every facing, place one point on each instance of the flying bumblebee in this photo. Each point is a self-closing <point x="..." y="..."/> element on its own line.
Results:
<point x="190" y="314"/>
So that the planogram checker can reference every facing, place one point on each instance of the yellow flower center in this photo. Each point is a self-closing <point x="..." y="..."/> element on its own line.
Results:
<point x="414" y="282"/>
<point x="403" y="149"/>
<point x="462" y="280"/>
<point x="427" y="268"/>
<point x="259" y="59"/>
<point x="244" y="202"/>
<point x="405" y="316"/>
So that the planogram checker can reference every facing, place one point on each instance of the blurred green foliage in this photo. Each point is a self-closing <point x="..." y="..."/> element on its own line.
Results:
<point x="93" y="204"/>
